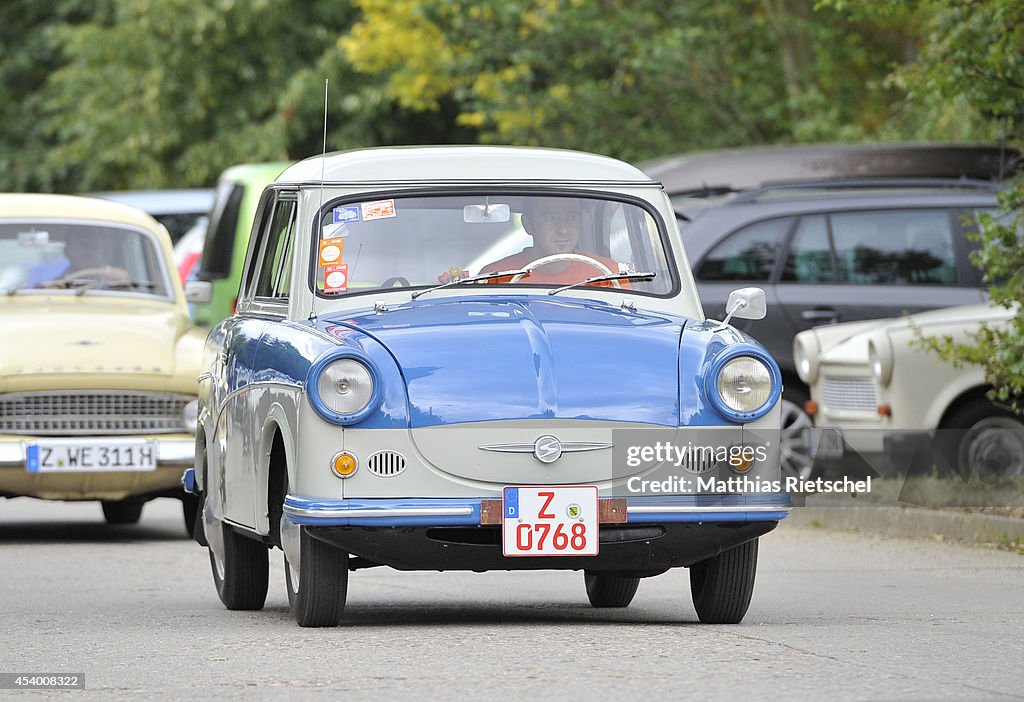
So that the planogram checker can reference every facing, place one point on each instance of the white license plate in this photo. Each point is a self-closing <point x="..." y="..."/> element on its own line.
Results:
<point x="824" y="442"/>
<point x="90" y="455"/>
<point x="549" y="521"/>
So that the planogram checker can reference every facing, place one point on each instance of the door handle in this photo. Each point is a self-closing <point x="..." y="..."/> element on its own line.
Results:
<point x="826" y="315"/>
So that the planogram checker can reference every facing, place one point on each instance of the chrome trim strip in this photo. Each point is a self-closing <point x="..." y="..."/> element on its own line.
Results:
<point x="12" y="454"/>
<point x="178" y="452"/>
<point x="654" y="509"/>
<point x="378" y="513"/>
<point x="567" y="447"/>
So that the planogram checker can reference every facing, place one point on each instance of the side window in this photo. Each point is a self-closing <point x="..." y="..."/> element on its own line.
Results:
<point x="908" y="247"/>
<point x="220" y="235"/>
<point x="274" y="272"/>
<point x="810" y="255"/>
<point x="747" y="254"/>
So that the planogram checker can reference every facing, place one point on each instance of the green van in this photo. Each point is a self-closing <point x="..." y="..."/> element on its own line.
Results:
<point x="239" y="189"/>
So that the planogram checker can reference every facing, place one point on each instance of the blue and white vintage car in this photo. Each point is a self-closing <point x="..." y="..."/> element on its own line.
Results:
<point x="481" y="358"/>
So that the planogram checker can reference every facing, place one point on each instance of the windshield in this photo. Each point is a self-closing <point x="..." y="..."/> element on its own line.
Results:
<point x="75" y="256"/>
<point x="543" y="241"/>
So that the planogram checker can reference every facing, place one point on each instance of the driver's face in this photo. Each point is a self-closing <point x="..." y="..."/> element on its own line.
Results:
<point x="554" y="225"/>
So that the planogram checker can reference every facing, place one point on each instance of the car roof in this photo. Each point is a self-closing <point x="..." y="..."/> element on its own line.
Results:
<point x="164" y="202"/>
<point x="462" y="164"/>
<point x="749" y="168"/>
<point x="51" y="207"/>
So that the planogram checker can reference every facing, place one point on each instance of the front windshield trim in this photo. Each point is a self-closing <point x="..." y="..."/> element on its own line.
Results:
<point x="513" y="190"/>
<point x="160" y="260"/>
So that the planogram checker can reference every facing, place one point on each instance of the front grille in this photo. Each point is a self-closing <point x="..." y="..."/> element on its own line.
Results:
<point x="849" y="394"/>
<point x="69" y="413"/>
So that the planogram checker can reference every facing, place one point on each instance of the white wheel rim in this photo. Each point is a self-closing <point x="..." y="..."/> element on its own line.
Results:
<point x="793" y="445"/>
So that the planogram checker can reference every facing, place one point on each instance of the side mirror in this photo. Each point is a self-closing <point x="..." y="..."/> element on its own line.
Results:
<point x="746" y="303"/>
<point x="200" y="292"/>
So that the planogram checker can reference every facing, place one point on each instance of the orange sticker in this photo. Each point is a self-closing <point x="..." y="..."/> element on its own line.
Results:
<point x="330" y="251"/>
<point x="378" y="210"/>
<point x="336" y="278"/>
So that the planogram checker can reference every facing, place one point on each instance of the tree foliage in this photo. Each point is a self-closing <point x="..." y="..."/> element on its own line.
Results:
<point x="635" y="79"/>
<point x="973" y="61"/>
<point x="155" y="93"/>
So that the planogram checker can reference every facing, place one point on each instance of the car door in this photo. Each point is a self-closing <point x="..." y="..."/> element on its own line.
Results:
<point x="870" y="264"/>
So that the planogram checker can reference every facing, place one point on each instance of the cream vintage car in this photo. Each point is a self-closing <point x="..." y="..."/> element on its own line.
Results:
<point x="481" y="358"/>
<point x="99" y="362"/>
<point x="879" y="399"/>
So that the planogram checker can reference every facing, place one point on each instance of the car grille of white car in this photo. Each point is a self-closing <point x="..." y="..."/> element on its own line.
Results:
<point x="69" y="413"/>
<point x="849" y="394"/>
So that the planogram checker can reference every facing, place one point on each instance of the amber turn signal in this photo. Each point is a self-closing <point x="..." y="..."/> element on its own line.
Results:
<point x="811" y="407"/>
<point x="344" y="464"/>
<point x="885" y="410"/>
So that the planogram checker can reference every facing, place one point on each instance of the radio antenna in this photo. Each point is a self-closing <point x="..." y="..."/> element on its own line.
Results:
<point x="323" y="170"/>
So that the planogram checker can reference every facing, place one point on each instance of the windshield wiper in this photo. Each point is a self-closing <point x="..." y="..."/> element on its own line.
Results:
<point x="602" y="278"/>
<point x="124" y="283"/>
<point x="471" y="279"/>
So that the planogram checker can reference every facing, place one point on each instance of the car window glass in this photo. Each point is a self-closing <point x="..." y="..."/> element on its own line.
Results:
<point x="912" y="247"/>
<point x="810" y="255"/>
<point x="424" y="241"/>
<point x="220" y="238"/>
<point x="748" y="253"/>
<point x="275" y="245"/>
<point x="82" y="257"/>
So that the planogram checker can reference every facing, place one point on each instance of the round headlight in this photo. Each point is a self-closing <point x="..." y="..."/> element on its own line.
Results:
<point x="805" y="356"/>
<point x="880" y="358"/>
<point x="744" y="384"/>
<point x="345" y="386"/>
<point x="190" y="415"/>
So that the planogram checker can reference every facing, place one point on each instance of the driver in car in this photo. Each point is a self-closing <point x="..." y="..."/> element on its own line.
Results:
<point x="554" y="224"/>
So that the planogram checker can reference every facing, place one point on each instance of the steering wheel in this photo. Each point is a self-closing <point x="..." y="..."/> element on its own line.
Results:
<point x="390" y="282"/>
<point x="553" y="258"/>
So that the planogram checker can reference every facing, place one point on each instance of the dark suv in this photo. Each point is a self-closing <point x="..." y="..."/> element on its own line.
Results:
<point x="830" y="248"/>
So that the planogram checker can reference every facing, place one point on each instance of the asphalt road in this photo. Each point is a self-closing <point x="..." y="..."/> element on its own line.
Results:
<point x="835" y="615"/>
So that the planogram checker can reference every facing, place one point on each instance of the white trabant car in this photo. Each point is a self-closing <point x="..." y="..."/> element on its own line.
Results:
<point x="481" y="358"/>
<point x="879" y="399"/>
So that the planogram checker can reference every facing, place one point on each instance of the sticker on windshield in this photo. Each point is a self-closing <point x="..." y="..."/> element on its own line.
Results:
<point x="346" y="214"/>
<point x="378" y="210"/>
<point x="330" y="251"/>
<point x="336" y="278"/>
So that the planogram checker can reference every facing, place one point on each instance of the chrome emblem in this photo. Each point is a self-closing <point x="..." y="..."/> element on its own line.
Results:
<point x="547" y="449"/>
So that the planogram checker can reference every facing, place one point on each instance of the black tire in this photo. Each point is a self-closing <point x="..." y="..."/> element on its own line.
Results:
<point x="244" y="575"/>
<point x="189" y="512"/>
<point x="122" y="511"/>
<point x="722" y="586"/>
<point x="319" y="598"/>
<point x="981" y="439"/>
<point x="610" y="590"/>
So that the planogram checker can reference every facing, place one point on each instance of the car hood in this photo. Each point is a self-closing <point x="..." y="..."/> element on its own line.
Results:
<point x="76" y="335"/>
<point x="850" y="345"/>
<point x="472" y="359"/>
